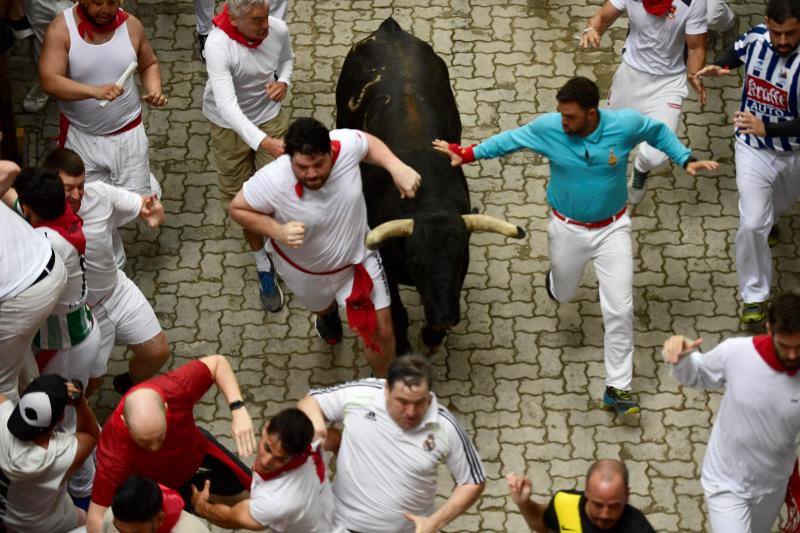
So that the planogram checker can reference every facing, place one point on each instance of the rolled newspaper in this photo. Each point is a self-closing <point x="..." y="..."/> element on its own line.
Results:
<point x="122" y="79"/>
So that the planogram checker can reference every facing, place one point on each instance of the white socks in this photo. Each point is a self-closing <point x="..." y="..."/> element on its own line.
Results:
<point x="262" y="260"/>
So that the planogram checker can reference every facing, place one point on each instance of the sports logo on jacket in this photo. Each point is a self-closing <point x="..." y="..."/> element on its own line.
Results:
<point x="430" y="443"/>
<point x="765" y="97"/>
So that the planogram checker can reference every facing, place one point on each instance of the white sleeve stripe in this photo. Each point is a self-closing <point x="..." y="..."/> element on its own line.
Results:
<point x="475" y="466"/>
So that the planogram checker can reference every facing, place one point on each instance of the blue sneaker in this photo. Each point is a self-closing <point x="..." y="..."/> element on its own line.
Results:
<point x="620" y="401"/>
<point x="271" y="294"/>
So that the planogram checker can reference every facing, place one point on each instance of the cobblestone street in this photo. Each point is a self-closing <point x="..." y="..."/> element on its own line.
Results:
<point x="522" y="373"/>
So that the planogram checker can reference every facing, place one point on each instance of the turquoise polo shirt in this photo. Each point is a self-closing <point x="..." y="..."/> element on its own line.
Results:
<point x="588" y="175"/>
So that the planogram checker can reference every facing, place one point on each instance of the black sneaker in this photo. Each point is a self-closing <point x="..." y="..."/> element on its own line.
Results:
<point x="201" y="43"/>
<point x="548" y="286"/>
<point x="329" y="327"/>
<point x="638" y="186"/>
<point x="774" y="236"/>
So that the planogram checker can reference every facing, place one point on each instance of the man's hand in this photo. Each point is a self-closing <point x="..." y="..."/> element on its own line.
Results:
<point x="591" y="38"/>
<point x="293" y="233"/>
<point x="406" y="179"/>
<point x="747" y="123"/>
<point x="107" y="92"/>
<point x="711" y="71"/>
<point x="152" y="211"/>
<point x="156" y="99"/>
<point x="274" y="147"/>
<point x="697" y="84"/>
<point x="677" y="347"/>
<point x="276" y="90"/>
<point x="423" y="524"/>
<point x="242" y="430"/>
<point x="520" y="488"/>
<point x="444" y="148"/>
<point x="695" y="166"/>
<point x="200" y="499"/>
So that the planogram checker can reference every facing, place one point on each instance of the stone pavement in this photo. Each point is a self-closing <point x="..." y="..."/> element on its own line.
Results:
<point x="520" y="372"/>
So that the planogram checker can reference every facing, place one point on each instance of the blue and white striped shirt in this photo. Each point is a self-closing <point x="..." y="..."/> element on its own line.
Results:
<point x="770" y="87"/>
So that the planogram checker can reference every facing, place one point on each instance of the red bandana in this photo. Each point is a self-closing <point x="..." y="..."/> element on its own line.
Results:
<point x="659" y="8"/>
<point x="223" y="22"/>
<point x="336" y="147"/>
<point x="296" y="462"/>
<point x="87" y="27"/>
<point x="360" y="310"/>
<point x="467" y="154"/>
<point x="70" y="226"/>
<point x="172" y="505"/>
<point x="766" y="349"/>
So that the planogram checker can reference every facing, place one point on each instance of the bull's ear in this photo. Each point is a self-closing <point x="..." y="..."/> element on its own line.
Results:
<point x="493" y="225"/>
<point x="389" y="230"/>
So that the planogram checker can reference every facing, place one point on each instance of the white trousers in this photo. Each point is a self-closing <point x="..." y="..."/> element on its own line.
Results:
<point x="20" y="318"/>
<point x="658" y="97"/>
<point x="40" y="14"/>
<point x="768" y="186"/>
<point x="729" y="513"/>
<point x="720" y="16"/>
<point x="610" y="251"/>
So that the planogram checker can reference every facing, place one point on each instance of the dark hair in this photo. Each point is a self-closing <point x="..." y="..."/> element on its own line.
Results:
<point x="412" y="370"/>
<point x="64" y="160"/>
<point x="293" y="428"/>
<point x="41" y="191"/>
<point x="307" y="136"/>
<point x="784" y="314"/>
<point x="581" y="90"/>
<point x="138" y="499"/>
<point x="782" y="10"/>
<point x="607" y="468"/>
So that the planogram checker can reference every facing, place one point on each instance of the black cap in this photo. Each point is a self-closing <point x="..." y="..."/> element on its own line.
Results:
<point x="40" y="407"/>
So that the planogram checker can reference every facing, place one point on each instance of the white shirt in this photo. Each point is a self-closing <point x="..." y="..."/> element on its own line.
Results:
<point x="294" y="502"/>
<point x="74" y="295"/>
<point x="751" y="451"/>
<point x="23" y="253"/>
<point x="655" y="44"/>
<point x="36" y="499"/>
<point x="235" y="96"/>
<point x="382" y="470"/>
<point x="335" y="215"/>
<point x="104" y="208"/>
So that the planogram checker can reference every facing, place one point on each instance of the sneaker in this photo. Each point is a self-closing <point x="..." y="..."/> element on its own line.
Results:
<point x="753" y="313"/>
<point x="21" y="27"/>
<point x="774" y="236"/>
<point x="329" y="327"/>
<point x="35" y="100"/>
<point x="271" y="294"/>
<point x="548" y="286"/>
<point x="620" y="401"/>
<point x="201" y="43"/>
<point x="638" y="187"/>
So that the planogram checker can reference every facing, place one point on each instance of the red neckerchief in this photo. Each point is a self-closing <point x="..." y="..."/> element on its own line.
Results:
<point x="87" y="27"/>
<point x="296" y="462"/>
<point x="70" y="226"/>
<point x="659" y="8"/>
<point x="360" y="310"/>
<point x="223" y="22"/>
<point x="766" y="349"/>
<point x="336" y="147"/>
<point x="466" y="154"/>
<point x="172" y="505"/>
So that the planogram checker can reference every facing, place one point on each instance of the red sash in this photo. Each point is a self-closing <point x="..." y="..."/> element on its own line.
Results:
<point x="223" y="22"/>
<point x="63" y="128"/>
<point x="296" y="462"/>
<point x="87" y="27"/>
<point x="659" y="8"/>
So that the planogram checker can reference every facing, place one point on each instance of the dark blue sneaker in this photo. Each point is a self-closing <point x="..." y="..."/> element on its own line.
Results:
<point x="271" y="294"/>
<point x="329" y="327"/>
<point x="620" y="401"/>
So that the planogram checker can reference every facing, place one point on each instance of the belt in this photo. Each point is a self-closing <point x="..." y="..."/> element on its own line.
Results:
<point x="301" y="269"/>
<point x="63" y="127"/>
<point x="47" y="269"/>
<point x="591" y="225"/>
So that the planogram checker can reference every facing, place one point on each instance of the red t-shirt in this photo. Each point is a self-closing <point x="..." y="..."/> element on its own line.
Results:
<point x="118" y="457"/>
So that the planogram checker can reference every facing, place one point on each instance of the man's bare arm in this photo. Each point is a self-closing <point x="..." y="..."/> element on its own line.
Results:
<point x="225" y="516"/>
<point x="241" y="424"/>
<point x="94" y="518"/>
<point x="149" y="68"/>
<point x="598" y="24"/>
<point x="460" y="500"/>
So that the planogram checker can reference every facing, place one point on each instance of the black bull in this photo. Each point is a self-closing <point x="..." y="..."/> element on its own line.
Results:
<point x="395" y="87"/>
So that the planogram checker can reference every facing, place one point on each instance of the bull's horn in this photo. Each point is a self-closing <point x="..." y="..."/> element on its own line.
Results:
<point x="401" y="227"/>
<point x="495" y="225"/>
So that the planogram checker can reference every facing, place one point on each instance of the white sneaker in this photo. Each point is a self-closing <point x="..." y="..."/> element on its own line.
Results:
<point x="638" y="187"/>
<point x="35" y="100"/>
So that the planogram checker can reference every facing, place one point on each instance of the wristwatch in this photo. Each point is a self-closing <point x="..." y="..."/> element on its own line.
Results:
<point x="237" y="404"/>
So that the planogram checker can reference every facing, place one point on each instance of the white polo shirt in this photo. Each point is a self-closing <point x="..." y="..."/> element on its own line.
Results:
<point x="655" y="44"/>
<point x="295" y="501"/>
<point x="751" y="451"/>
<point x="384" y="471"/>
<point x="103" y="209"/>
<point x="335" y="215"/>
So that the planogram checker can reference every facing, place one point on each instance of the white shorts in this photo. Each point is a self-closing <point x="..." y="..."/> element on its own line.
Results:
<point x="80" y="361"/>
<point x="316" y="292"/>
<point x="125" y="317"/>
<point x="121" y="160"/>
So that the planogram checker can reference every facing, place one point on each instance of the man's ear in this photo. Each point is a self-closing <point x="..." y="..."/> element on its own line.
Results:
<point x="769" y="329"/>
<point x="159" y="519"/>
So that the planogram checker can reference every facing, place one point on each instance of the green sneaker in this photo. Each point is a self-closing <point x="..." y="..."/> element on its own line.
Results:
<point x="753" y="313"/>
<point x="774" y="236"/>
<point x="620" y="401"/>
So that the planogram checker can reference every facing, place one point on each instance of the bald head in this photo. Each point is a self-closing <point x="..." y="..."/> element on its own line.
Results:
<point x="606" y="492"/>
<point x="608" y="471"/>
<point x="145" y="415"/>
